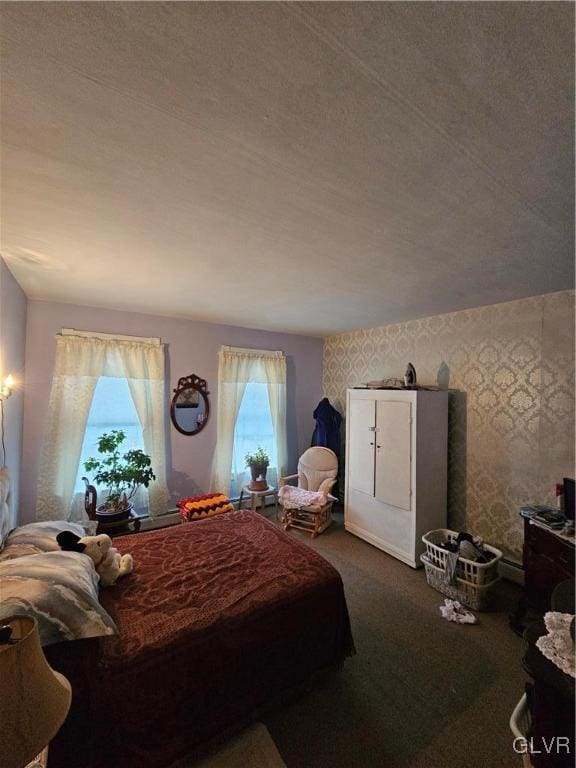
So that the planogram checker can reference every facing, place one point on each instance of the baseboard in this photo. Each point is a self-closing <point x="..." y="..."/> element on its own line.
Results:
<point x="512" y="571"/>
<point x="161" y="521"/>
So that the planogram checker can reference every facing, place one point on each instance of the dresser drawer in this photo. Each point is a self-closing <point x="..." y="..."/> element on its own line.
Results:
<point x="541" y="542"/>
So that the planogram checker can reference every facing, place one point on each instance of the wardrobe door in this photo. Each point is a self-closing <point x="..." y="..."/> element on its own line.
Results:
<point x="361" y="448"/>
<point x="393" y="453"/>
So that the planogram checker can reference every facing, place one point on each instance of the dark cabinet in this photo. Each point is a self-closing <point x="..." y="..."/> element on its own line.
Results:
<point x="548" y="560"/>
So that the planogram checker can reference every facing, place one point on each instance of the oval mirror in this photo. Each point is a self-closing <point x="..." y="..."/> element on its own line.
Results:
<point x="190" y="406"/>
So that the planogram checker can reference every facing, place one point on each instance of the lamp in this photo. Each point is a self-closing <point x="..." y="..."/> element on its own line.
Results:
<point x="6" y="387"/>
<point x="34" y="698"/>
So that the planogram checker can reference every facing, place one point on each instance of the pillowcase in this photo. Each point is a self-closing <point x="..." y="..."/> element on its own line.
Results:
<point x="60" y="590"/>
<point x="36" y="538"/>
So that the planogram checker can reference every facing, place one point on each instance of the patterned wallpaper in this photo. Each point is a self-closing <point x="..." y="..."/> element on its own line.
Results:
<point x="510" y="370"/>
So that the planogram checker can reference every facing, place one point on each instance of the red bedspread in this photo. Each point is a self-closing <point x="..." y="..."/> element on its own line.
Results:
<point x="219" y="617"/>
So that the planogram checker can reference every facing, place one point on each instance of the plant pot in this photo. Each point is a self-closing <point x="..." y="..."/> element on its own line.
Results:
<point x="113" y="515"/>
<point x="258" y="472"/>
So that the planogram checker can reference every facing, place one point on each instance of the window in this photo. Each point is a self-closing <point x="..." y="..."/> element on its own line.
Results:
<point x="86" y="362"/>
<point x="253" y="428"/>
<point x="112" y="408"/>
<point x="251" y="412"/>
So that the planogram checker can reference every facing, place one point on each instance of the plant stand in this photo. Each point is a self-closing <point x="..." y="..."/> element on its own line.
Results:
<point x="121" y="527"/>
<point x="255" y="495"/>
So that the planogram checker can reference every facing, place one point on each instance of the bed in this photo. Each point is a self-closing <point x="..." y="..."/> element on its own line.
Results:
<point x="219" y="618"/>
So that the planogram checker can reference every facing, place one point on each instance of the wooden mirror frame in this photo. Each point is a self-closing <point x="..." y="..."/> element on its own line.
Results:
<point x="199" y="385"/>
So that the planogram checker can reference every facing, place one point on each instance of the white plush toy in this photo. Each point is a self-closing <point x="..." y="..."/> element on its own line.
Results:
<point x="110" y="564"/>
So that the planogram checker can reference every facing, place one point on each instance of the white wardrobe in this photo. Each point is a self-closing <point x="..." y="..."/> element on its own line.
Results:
<point x="396" y="466"/>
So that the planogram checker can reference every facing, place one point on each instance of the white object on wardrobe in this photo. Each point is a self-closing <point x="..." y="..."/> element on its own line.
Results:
<point x="396" y="468"/>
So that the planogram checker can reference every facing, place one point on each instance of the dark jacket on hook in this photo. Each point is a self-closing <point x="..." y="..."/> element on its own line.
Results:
<point x="327" y="431"/>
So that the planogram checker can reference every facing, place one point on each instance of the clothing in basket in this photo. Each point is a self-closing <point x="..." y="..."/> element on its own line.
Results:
<point x="474" y="580"/>
<point x="466" y="546"/>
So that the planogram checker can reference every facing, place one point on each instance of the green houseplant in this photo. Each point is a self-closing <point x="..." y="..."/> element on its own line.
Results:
<point x="258" y="463"/>
<point x="122" y="474"/>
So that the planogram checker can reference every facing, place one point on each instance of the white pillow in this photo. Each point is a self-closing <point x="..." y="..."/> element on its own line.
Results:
<point x="36" y="538"/>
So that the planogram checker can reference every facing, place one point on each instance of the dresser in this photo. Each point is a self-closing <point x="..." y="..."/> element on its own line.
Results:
<point x="548" y="560"/>
<point x="396" y="468"/>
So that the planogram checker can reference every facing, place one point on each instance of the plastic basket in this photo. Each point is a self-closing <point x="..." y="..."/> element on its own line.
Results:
<point x="473" y="595"/>
<point x="520" y="723"/>
<point x="474" y="573"/>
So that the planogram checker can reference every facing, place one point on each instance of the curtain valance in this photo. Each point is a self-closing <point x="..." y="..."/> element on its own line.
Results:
<point x="95" y="356"/>
<point x="242" y="366"/>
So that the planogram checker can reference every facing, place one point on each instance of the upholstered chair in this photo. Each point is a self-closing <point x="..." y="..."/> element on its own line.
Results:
<point x="310" y="511"/>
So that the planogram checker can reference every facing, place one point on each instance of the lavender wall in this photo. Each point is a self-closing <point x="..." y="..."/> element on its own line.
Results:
<point x="192" y="348"/>
<point x="13" y="305"/>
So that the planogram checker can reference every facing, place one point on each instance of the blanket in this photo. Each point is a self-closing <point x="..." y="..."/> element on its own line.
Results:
<point x="295" y="498"/>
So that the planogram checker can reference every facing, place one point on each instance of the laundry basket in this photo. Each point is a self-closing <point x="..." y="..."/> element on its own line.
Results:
<point x="474" y="581"/>
<point x="520" y="724"/>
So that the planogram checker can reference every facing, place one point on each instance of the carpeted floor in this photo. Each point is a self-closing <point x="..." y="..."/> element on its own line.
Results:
<point x="421" y="692"/>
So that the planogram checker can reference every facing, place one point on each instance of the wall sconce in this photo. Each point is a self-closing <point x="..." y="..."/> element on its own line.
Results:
<point x="6" y="388"/>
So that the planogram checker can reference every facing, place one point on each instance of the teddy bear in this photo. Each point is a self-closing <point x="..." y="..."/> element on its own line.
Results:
<point x="110" y="564"/>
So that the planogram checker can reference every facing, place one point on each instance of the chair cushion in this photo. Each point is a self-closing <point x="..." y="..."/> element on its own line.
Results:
<point x="296" y="498"/>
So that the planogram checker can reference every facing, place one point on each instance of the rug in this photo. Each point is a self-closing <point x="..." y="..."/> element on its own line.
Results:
<point x="253" y="748"/>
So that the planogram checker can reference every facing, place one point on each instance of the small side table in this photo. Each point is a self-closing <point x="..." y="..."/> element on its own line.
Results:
<point x="255" y="495"/>
<point x="121" y="527"/>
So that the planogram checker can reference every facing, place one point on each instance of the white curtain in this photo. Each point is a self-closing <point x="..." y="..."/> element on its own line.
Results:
<point x="80" y="361"/>
<point x="237" y="368"/>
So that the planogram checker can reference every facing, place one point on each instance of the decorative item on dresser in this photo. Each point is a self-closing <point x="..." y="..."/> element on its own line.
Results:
<point x="396" y="468"/>
<point x="190" y="407"/>
<point x="34" y="699"/>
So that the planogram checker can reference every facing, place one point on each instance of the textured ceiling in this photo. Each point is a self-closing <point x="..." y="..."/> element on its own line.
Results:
<point x="313" y="167"/>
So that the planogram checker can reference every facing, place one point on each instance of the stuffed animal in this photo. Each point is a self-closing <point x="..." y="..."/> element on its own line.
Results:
<point x="110" y="564"/>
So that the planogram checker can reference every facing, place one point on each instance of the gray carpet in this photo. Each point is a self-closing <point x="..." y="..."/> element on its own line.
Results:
<point x="421" y="692"/>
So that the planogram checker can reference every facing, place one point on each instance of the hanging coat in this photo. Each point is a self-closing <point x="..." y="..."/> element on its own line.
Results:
<point x="327" y="431"/>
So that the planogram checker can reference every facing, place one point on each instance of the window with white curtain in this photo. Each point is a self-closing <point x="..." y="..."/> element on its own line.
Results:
<point x="254" y="429"/>
<point x="100" y="381"/>
<point x="112" y="408"/>
<point x="251" y="412"/>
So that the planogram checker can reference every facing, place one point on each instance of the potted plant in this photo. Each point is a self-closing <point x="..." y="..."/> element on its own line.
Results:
<point x="121" y="474"/>
<point x="258" y="463"/>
